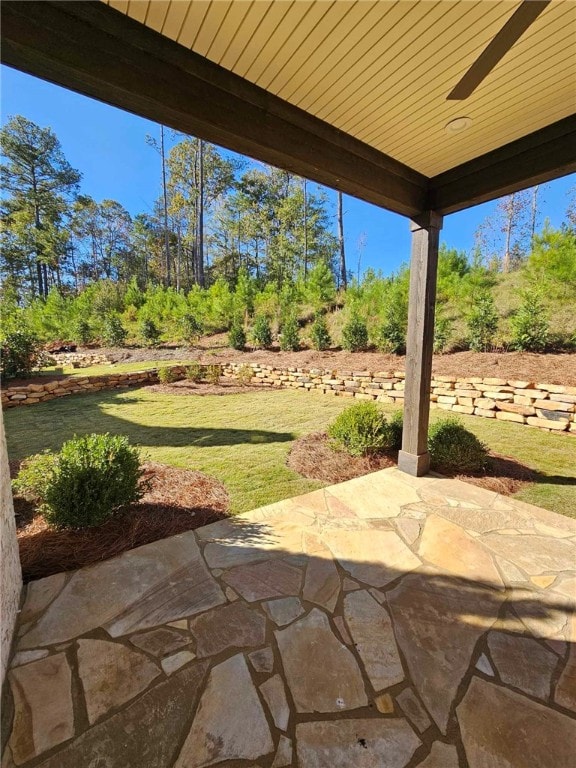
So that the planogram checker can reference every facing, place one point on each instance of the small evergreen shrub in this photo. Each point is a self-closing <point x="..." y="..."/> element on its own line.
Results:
<point x="167" y="375"/>
<point x="20" y="353"/>
<point x="290" y="339"/>
<point x="237" y="336"/>
<point x="195" y="372"/>
<point x="530" y="326"/>
<point x="355" y="335"/>
<point x="362" y="429"/>
<point x="86" y="483"/>
<point x="213" y="373"/>
<point x="442" y="333"/>
<point x="482" y="323"/>
<point x="245" y="375"/>
<point x="150" y="333"/>
<point x="454" y="449"/>
<point x="191" y="328"/>
<point x="395" y="425"/>
<point x="113" y="332"/>
<point x="320" y="336"/>
<point x="261" y="332"/>
<point x="82" y="331"/>
<point x="392" y="336"/>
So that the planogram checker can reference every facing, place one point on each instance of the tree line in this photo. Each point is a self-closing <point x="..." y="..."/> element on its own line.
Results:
<point x="215" y="216"/>
<point x="254" y="250"/>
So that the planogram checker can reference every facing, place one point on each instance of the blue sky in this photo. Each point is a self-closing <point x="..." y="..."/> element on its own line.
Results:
<point x="109" y="147"/>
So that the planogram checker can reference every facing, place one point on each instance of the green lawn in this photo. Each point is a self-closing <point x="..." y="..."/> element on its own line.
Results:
<point x="100" y="370"/>
<point x="244" y="439"/>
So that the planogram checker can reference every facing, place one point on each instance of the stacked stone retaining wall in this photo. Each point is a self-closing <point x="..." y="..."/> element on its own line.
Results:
<point x="544" y="406"/>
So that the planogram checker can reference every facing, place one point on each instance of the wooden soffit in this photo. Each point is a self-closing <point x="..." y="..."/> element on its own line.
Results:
<point x="350" y="93"/>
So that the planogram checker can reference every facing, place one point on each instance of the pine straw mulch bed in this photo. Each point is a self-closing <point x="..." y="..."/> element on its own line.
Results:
<point x="312" y="457"/>
<point x="203" y="388"/>
<point x="177" y="500"/>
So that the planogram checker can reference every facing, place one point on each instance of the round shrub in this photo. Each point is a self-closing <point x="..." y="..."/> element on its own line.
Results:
<point x="113" y="332"/>
<point x="395" y="426"/>
<point x="261" y="332"/>
<point x="213" y="373"/>
<point x="362" y="429"/>
<point x="245" y="375"/>
<point x="355" y="335"/>
<point x="237" y="336"/>
<point x="454" y="449"/>
<point x="289" y="339"/>
<point x="320" y="336"/>
<point x="86" y="483"/>
<point x="20" y="353"/>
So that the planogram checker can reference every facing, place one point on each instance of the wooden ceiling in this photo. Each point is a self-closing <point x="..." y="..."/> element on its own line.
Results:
<point x="349" y="93"/>
<point x="381" y="70"/>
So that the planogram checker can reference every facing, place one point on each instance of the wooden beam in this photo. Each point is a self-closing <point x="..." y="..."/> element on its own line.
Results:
<point x="414" y="458"/>
<point x="534" y="159"/>
<point x="95" y="50"/>
<point x="522" y="18"/>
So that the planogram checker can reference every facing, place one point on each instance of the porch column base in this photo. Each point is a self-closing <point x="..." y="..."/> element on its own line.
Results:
<point x="414" y="464"/>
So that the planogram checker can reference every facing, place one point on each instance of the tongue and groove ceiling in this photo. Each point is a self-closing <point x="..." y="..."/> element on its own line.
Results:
<point x="381" y="70"/>
<point x="350" y="93"/>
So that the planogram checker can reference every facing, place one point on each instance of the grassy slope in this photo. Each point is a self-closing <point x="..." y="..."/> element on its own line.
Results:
<point x="244" y="439"/>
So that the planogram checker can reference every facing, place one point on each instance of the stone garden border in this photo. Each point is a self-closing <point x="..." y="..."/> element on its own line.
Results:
<point x="544" y="406"/>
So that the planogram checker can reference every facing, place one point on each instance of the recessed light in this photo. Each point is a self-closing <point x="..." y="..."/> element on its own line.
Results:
<point x="458" y="124"/>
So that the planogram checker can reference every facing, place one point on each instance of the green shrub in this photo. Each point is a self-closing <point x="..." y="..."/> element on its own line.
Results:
<point x="319" y="332"/>
<point x="82" y="331"/>
<point x="454" y="449"/>
<point x="213" y="373"/>
<point x="150" y="333"/>
<point x="289" y="338"/>
<point x="191" y="328"/>
<point x="113" y="332"/>
<point x="20" y="353"/>
<point x="355" y="335"/>
<point x="442" y="333"/>
<point x="245" y="375"/>
<point x="392" y="337"/>
<point x="363" y="429"/>
<point x="237" y="336"/>
<point x="167" y="375"/>
<point x="530" y="326"/>
<point x="86" y="483"/>
<point x="261" y="332"/>
<point x="395" y="425"/>
<point x="195" y="372"/>
<point x="482" y="323"/>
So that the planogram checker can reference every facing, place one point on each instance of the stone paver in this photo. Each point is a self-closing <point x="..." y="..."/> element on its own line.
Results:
<point x="388" y="622"/>
<point x="359" y="743"/>
<point x="111" y="674"/>
<point x="43" y="704"/>
<point x="232" y="626"/>
<point x="230" y="722"/>
<point x="322" y="674"/>
<point x="501" y="727"/>
<point x="373" y="636"/>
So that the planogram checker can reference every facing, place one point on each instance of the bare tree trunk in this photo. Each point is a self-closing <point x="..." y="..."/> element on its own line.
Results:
<point x="200" y="222"/>
<point x="508" y="231"/>
<point x="342" y="277"/>
<point x="165" y="198"/>
<point x="305" y="230"/>
<point x="534" y="213"/>
<point x="178" y="257"/>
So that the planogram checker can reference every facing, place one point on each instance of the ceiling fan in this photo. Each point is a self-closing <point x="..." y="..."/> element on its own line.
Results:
<point x="525" y="15"/>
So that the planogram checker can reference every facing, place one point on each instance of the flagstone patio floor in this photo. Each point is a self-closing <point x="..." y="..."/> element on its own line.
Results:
<point x="386" y="622"/>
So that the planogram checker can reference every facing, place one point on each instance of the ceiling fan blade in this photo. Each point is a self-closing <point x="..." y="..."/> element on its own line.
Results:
<point x="526" y="13"/>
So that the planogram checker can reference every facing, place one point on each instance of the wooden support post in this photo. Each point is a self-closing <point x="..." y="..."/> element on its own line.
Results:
<point x="414" y="458"/>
